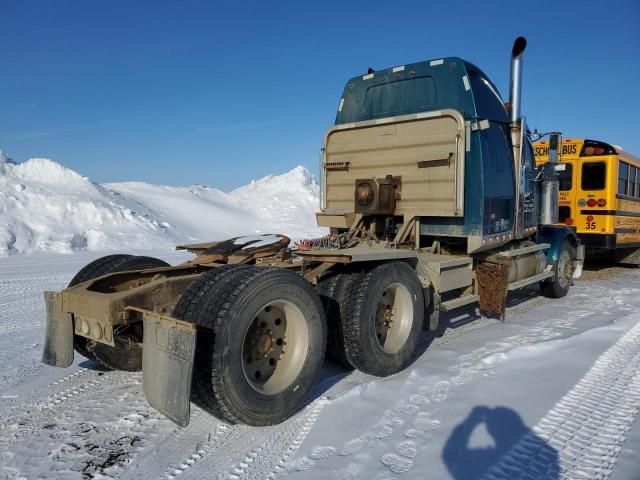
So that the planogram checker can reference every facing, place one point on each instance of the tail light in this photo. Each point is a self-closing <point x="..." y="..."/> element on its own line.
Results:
<point x="592" y="202"/>
<point x="590" y="218"/>
<point x="568" y="221"/>
<point x="594" y="151"/>
<point x="592" y="147"/>
<point x="602" y="202"/>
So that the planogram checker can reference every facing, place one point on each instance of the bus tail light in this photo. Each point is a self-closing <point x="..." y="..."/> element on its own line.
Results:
<point x="568" y="221"/>
<point x="591" y="148"/>
<point x="594" y="151"/>
<point x="602" y="202"/>
<point x="590" y="218"/>
<point x="592" y="202"/>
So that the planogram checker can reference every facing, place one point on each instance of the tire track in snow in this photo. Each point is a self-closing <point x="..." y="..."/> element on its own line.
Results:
<point x="271" y="457"/>
<point x="21" y="417"/>
<point x="180" y="449"/>
<point x="589" y="424"/>
<point x="222" y="436"/>
<point x="95" y="425"/>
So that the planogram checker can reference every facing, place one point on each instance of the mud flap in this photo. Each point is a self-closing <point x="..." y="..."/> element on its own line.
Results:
<point x="493" y="281"/>
<point x="578" y="263"/>
<point x="167" y="365"/>
<point x="58" y="338"/>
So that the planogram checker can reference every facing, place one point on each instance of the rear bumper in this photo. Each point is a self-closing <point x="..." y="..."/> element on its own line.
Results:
<point x="169" y="347"/>
<point x="598" y="240"/>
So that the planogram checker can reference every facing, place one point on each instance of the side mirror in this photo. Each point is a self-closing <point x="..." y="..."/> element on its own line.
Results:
<point x="555" y="140"/>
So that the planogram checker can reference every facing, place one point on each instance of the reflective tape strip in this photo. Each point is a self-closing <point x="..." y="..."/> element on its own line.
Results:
<point x="465" y="80"/>
<point x="367" y="77"/>
<point x="398" y="69"/>
<point x="435" y="113"/>
<point x="467" y="137"/>
<point x="433" y="63"/>
<point x="341" y="104"/>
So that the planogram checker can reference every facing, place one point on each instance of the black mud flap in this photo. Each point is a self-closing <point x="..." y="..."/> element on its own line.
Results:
<point x="167" y="365"/>
<point x="58" y="339"/>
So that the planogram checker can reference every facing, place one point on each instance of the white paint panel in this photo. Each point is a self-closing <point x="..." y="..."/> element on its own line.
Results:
<point x="465" y="80"/>
<point x="398" y="69"/>
<point x="254" y="241"/>
<point x="367" y="77"/>
<point x="435" y="113"/>
<point x="433" y="63"/>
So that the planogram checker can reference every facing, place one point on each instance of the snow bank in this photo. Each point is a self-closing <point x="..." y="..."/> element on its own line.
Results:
<point x="287" y="203"/>
<point x="46" y="206"/>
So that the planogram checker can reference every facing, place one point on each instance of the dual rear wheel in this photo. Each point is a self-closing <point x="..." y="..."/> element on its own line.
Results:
<point x="262" y="333"/>
<point x="376" y="314"/>
<point x="261" y="342"/>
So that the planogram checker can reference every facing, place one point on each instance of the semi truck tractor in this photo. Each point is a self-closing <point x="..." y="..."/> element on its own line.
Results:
<point x="433" y="201"/>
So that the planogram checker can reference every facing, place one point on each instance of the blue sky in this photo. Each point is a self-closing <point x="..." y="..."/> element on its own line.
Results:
<point x="183" y="92"/>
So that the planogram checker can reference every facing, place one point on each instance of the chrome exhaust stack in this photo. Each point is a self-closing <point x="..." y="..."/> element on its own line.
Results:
<point x="518" y="130"/>
<point x="515" y="83"/>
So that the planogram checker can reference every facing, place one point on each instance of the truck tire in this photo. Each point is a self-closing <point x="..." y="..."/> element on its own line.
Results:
<point x="332" y="290"/>
<point x="261" y="341"/>
<point x="383" y="318"/>
<point x="125" y="356"/>
<point x="558" y="286"/>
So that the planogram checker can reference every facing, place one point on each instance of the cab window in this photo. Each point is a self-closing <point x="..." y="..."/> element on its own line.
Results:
<point x="400" y="97"/>
<point x="594" y="175"/>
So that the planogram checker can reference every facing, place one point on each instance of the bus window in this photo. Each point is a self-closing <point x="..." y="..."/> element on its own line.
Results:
<point x="623" y="177"/>
<point x="565" y="177"/>
<point x="632" y="181"/>
<point x="563" y="214"/>
<point x="594" y="175"/>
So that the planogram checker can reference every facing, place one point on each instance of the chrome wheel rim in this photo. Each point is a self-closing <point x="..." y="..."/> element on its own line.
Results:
<point x="275" y="347"/>
<point x="565" y="269"/>
<point x="394" y="318"/>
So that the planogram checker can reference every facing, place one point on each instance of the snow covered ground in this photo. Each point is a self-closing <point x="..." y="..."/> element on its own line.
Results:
<point x="45" y="206"/>
<point x="553" y="393"/>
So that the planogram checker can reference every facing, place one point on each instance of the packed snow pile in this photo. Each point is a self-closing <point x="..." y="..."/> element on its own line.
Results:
<point x="46" y="206"/>
<point x="291" y="202"/>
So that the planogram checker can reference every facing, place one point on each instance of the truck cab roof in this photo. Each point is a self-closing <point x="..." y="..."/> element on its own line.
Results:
<point x="449" y="82"/>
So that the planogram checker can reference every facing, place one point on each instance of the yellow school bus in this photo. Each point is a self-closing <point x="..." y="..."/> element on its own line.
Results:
<point x="599" y="195"/>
